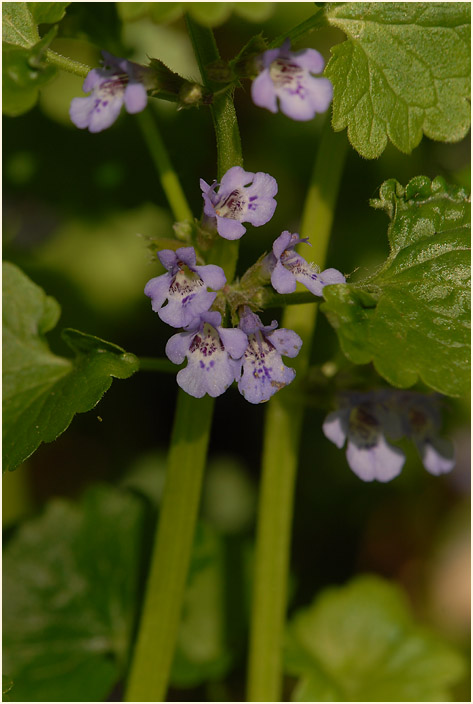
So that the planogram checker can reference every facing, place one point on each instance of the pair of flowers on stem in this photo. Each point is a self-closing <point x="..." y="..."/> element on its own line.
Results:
<point x="251" y="353"/>
<point x="282" y="77"/>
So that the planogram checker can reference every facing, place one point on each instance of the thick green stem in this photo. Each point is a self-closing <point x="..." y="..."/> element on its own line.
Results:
<point x="167" y="175"/>
<point x="156" y="364"/>
<point x="158" y="629"/>
<point x="281" y="446"/>
<point x="154" y="650"/>
<point x="66" y="64"/>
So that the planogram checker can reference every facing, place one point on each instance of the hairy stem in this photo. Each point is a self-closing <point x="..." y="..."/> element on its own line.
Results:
<point x="282" y="431"/>
<point x="158" y="629"/>
<point x="66" y="64"/>
<point x="168" y="177"/>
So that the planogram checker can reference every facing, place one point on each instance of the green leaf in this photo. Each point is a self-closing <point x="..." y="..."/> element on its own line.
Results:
<point x="18" y="25"/>
<point x="24" y="73"/>
<point x="201" y="652"/>
<point x="412" y="317"/>
<point x="360" y="643"/>
<point x="42" y="391"/>
<point x="48" y="12"/>
<point x="254" y="11"/>
<point x="70" y="581"/>
<point x="404" y="70"/>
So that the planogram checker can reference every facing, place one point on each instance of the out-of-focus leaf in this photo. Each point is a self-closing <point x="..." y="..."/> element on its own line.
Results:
<point x="24" y="73"/>
<point x="202" y="653"/>
<point x="412" y="317"/>
<point x="360" y="643"/>
<point x="210" y="14"/>
<point x="404" y="70"/>
<point x="70" y="582"/>
<point x="42" y="391"/>
<point x="18" y="25"/>
<point x="254" y="11"/>
<point x="48" y="12"/>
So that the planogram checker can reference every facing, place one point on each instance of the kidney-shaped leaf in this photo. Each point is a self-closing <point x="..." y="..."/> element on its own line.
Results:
<point x="70" y="593"/>
<point x="404" y="70"/>
<point x="360" y="643"/>
<point x="42" y="391"/>
<point x="412" y="317"/>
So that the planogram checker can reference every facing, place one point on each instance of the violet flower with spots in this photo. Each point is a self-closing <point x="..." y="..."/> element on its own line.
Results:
<point x="365" y="420"/>
<point x="242" y="196"/>
<point x="288" y="267"/>
<point x="213" y="355"/>
<point x="119" y="82"/>
<point x="263" y="371"/>
<point x="286" y="77"/>
<point x="184" y="287"/>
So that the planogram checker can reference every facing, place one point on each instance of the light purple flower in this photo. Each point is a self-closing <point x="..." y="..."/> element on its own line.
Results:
<point x="241" y="197"/>
<point x="184" y="287"/>
<point x="288" y="267"/>
<point x="365" y="422"/>
<point x="422" y="425"/>
<point x="119" y="82"/>
<point x="213" y="355"/>
<point x="264" y="372"/>
<point x="286" y="76"/>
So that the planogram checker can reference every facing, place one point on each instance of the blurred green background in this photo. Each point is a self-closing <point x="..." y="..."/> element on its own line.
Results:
<point x="78" y="209"/>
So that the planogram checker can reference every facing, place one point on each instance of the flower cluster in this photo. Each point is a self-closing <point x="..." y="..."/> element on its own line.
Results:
<point x="365" y="420"/>
<point x="251" y="353"/>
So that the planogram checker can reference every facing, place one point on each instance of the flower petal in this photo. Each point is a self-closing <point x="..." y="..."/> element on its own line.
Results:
<point x="282" y="280"/>
<point x="168" y="258"/>
<point x="335" y="427"/>
<point x="235" y="177"/>
<point x="382" y="461"/>
<point x="178" y="345"/>
<point x="286" y="342"/>
<point x="135" y="97"/>
<point x="310" y="59"/>
<point x="187" y="256"/>
<point x="281" y="243"/>
<point x="230" y="229"/>
<point x="105" y="115"/>
<point x="320" y="93"/>
<point x="81" y="110"/>
<point x="212" y="275"/>
<point x="437" y="456"/>
<point x="295" y="106"/>
<point x="235" y="341"/>
<point x="263" y="92"/>
<point x="158" y="289"/>
<point x="331" y="276"/>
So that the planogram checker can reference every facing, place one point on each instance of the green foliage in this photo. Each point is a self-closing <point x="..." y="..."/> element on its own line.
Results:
<point x="48" y="12"/>
<point x="360" y="643"/>
<point x="404" y="70"/>
<point x="70" y="596"/>
<point x="209" y="14"/>
<point x="43" y="391"/>
<point x="24" y="70"/>
<point x="412" y="317"/>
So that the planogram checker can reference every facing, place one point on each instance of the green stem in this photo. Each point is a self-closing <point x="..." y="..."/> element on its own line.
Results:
<point x="167" y="175"/>
<point x="66" y="64"/>
<point x="158" y="629"/>
<point x="223" y="253"/>
<point x="154" y="650"/>
<point x="281" y="446"/>
<point x="317" y="20"/>
<point x="155" y="364"/>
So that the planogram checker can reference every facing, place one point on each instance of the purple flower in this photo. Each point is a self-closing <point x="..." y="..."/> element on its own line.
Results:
<point x="422" y="425"/>
<point x="365" y="421"/>
<point x="213" y="355"/>
<point x="118" y="82"/>
<point x="286" y="76"/>
<point x="264" y="372"/>
<point x="288" y="267"/>
<point x="242" y="197"/>
<point x="184" y="287"/>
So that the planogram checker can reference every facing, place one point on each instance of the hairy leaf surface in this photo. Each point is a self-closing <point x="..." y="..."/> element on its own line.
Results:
<point x="412" y="318"/>
<point x="404" y="71"/>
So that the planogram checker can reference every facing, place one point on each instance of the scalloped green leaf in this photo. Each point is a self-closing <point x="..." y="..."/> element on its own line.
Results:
<point x="412" y="318"/>
<point x="70" y="595"/>
<point x="48" y="12"/>
<point x="42" y="391"/>
<point x="360" y="643"/>
<point x="404" y="71"/>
